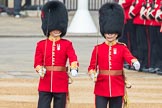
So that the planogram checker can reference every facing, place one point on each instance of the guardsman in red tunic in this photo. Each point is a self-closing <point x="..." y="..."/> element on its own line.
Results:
<point x="51" y="57"/>
<point x="108" y="59"/>
<point x="139" y="19"/>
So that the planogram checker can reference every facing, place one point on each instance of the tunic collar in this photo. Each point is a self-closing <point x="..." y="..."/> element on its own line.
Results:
<point x="51" y="38"/>
<point x="111" y="43"/>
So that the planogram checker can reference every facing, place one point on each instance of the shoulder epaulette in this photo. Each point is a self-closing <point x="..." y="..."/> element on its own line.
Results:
<point x="122" y="43"/>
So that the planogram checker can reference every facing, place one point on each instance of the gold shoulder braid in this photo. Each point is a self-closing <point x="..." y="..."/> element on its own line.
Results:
<point x="127" y="86"/>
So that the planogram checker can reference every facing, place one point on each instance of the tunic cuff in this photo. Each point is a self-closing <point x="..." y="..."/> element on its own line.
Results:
<point x="38" y="67"/>
<point x="91" y="71"/>
<point x="74" y="65"/>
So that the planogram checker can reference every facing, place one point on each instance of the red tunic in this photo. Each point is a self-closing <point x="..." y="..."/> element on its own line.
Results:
<point x="57" y="54"/>
<point x="126" y="5"/>
<point x="110" y="58"/>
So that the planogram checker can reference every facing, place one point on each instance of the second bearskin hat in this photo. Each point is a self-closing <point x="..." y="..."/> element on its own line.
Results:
<point x="111" y="19"/>
<point x="54" y="16"/>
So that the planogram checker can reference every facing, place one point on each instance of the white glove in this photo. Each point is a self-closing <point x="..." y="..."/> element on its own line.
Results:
<point x="131" y="9"/>
<point x="42" y="72"/>
<point x="143" y="12"/>
<point x="93" y="76"/>
<point x="136" y="65"/>
<point x="158" y="13"/>
<point x="74" y="72"/>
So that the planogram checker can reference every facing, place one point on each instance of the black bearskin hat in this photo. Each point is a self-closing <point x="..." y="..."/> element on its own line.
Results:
<point x="54" y="16"/>
<point x="111" y="19"/>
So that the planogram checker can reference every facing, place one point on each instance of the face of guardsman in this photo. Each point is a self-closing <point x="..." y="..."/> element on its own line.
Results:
<point x="110" y="37"/>
<point x="55" y="33"/>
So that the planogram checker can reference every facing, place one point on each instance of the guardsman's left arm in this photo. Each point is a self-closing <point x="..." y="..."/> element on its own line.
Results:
<point x="93" y="65"/>
<point x="73" y="60"/>
<point x="131" y="59"/>
<point x="38" y="60"/>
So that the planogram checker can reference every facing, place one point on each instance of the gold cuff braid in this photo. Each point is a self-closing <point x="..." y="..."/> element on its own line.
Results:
<point x="74" y="65"/>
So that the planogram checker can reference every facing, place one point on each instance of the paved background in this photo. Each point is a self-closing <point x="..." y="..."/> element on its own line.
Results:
<point x="31" y="26"/>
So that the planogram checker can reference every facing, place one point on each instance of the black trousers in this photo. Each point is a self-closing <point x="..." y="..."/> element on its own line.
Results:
<point x="45" y="98"/>
<point x="17" y="7"/>
<point x="131" y="32"/>
<point x="142" y="34"/>
<point x="27" y="2"/>
<point x="114" y="102"/>
<point x="159" y="51"/>
<point x="154" y="46"/>
<point x="129" y="37"/>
